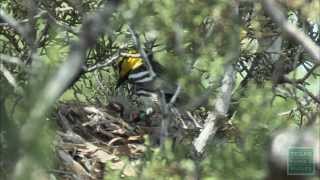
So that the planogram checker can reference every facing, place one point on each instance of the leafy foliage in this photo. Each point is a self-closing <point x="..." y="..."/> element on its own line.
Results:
<point x="277" y="82"/>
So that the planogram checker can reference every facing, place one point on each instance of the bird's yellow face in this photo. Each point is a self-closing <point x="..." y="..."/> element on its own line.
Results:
<point x="129" y="64"/>
<point x="126" y="65"/>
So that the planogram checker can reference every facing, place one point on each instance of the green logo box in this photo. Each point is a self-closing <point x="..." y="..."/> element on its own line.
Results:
<point x="301" y="161"/>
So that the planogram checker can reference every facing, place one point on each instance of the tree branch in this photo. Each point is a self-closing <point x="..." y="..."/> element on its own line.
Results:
<point x="274" y="11"/>
<point x="107" y="62"/>
<point x="142" y="51"/>
<point x="221" y="108"/>
<point x="223" y="99"/>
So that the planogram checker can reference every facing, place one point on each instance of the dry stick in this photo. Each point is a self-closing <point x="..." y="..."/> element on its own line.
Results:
<point x="276" y="14"/>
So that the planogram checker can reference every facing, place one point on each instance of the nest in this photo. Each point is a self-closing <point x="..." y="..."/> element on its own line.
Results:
<point x="91" y="137"/>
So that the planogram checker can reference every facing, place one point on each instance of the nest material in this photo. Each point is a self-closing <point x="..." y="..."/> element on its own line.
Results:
<point x="92" y="137"/>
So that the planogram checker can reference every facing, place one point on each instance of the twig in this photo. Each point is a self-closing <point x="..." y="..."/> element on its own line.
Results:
<point x="298" y="85"/>
<point x="137" y="55"/>
<point x="107" y="62"/>
<point x="173" y="109"/>
<point x="142" y="52"/>
<point x="304" y="89"/>
<point x="307" y="75"/>
<point x="175" y="96"/>
<point x="194" y="120"/>
<point x="178" y="115"/>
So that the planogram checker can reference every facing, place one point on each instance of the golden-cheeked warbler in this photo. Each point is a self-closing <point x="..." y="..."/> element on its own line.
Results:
<point x="134" y="71"/>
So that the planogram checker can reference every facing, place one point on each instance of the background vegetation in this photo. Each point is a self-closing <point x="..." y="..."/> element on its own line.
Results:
<point x="56" y="52"/>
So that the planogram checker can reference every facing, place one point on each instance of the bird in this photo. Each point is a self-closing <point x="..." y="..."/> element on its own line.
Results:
<point x="134" y="71"/>
<point x="151" y="88"/>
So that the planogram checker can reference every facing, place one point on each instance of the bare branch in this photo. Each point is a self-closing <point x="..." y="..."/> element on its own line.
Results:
<point x="221" y="108"/>
<point x="107" y="62"/>
<point x="142" y="51"/>
<point x="305" y="90"/>
<point x="307" y="75"/>
<point x="175" y="96"/>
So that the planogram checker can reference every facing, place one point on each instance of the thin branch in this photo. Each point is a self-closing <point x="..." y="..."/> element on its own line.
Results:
<point x="137" y="55"/>
<point x="111" y="60"/>
<point x="142" y="51"/>
<point x="307" y="75"/>
<point x="298" y="85"/>
<point x="276" y="14"/>
<point x="305" y="90"/>
<point x="107" y="62"/>
<point x="175" y="96"/>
